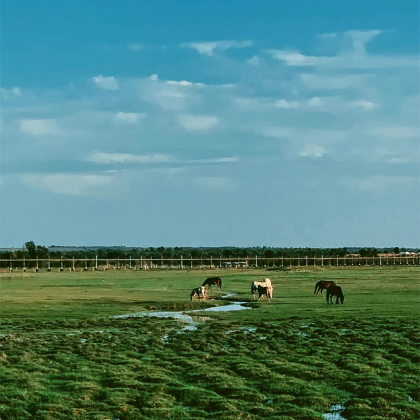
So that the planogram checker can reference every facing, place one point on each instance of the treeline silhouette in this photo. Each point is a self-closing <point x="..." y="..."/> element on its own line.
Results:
<point x="32" y="251"/>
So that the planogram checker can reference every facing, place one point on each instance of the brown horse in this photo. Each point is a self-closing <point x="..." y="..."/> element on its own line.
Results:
<point x="321" y="285"/>
<point x="211" y="281"/>
<point x="335" y="291"/>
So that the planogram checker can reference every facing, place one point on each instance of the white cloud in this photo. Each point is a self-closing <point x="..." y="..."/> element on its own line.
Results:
<point x="69" y="184"/>
<point x="184" y="83"/>
<point x="313" y="151"/>
<point x="198" y="122"/>
<point x="154" y="77"/>
<point x="109" y="158"/>
<point x="129" y="117"/>
<point x="294" y="58"/>
<point x="208" y="48"/>
<point x="39" y="127"/>
<point x="106" y="83"/>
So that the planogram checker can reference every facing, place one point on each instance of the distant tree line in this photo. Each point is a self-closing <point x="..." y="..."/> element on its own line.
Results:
<point x="33" y="251"/>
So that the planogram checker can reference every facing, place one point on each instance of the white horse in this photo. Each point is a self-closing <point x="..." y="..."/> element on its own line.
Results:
<point x="266" y="283"/>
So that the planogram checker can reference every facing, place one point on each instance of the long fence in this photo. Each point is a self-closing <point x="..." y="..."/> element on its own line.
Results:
<point x="143" y="263"/>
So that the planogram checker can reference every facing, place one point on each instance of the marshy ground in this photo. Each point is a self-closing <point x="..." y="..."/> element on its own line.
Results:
<point x="64" y="354"/>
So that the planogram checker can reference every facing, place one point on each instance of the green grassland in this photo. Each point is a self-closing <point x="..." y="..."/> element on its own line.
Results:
<point x="62" y="356"/>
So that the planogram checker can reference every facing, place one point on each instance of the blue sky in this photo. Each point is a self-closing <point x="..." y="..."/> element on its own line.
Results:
<point x="210" y="123"/>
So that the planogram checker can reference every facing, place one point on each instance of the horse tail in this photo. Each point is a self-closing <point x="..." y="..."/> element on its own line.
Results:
<point x="316" y="288"/>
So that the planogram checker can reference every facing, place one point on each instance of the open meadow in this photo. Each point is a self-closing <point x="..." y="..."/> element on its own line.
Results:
<point x="65" y="353"/>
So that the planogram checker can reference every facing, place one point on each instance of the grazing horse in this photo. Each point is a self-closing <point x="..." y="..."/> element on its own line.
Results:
<point x="321" y="285"/>
<point x="200" y="292"/>
<point x="266" y="283"/>
<point x="335" y="291"/>
<point x="211" y="281"/>
<point x="264" y="291"/>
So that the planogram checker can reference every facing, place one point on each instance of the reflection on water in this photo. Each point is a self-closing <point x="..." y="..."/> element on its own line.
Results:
<point x="335" y="413"/>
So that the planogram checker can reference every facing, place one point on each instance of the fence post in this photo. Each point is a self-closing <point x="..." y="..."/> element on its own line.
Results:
<point x="282" y="260"/>
<point x="322" y="261"/>
<point x="182" y="262"/>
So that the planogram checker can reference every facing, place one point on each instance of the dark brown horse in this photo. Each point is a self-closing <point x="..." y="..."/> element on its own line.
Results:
<point x="211" y="281"/>
<point x="335" y="291"/>
<point x="321" y="285"/>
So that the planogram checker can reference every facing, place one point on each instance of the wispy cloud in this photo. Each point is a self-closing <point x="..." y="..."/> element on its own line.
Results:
<point x="312" y="151"/>
<point x="331" y="104"/>
<point x="379" y="183"/>
<point x="129" y="117"/>
<point x="69" y="184"/>
<point x="216" y="160"/>
<point x="254" y="60"/>
<point x="37" y="127"/>
<point x="399" y="132"/>
<point x="184" y="83"/>
<point x="208" y="48"/>
<point x="111" y="158"/>
<point x="134" y="46"/>
<point x="198" y="122"/>
<point x="14" y="92"/>
<point x="106" y="83"/>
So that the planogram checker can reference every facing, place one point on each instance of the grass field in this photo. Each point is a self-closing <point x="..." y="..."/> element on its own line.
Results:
<point x="63" y="356"/>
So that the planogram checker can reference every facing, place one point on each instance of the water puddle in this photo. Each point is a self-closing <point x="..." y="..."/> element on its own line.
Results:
<point x="163" y="314"/>
<point x="246" y="330"/>
<point x="228" y="295"/>
<point x="237" y="306"/>
<point x="183" y="317"/>
<point x="335" y="413"/>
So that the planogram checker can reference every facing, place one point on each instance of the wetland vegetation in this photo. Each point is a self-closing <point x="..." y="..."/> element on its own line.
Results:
<point x="65" y="355"/>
